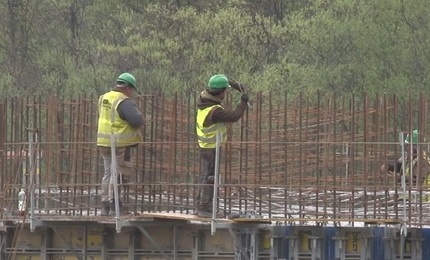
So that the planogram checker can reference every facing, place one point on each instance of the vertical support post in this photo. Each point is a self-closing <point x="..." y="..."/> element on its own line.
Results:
<point x="340" y="246"/>
<point x="279" y="243"/>
<point x="175" y="257"/>
<point x="365" y="252"/>
<point x="114" y="175"/>
<point x="113" y="168"/>
<point x="6" y="243"/>
<point x="133" y="244"/>
<point x="390" y="238"/>
<point x="35" y="167"/>
<point x="243" y="245"/>
<point x="237" y="244"/>
<point x="197" y="244"/>
<point x="85" y="243"/>
<point x="32" y="188"/>
<point x="106" y="243"/>
<point x="315" y="247"/>
<point x="3" y="244"/>
<point x="415" y="245"/>
<point x="404" y="228"/>
<point x="216" y="182"/>
<point x="253" y="249"/>
<point x="46" y="236"/>
<point x="402" y="247"/>
<point x="366" y="249"/>
<point x="293" y="246"/>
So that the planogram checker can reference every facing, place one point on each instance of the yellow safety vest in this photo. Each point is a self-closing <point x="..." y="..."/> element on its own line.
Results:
<point x="110" y="123"/>
<point x="207" y="135"/>
<point x="426" y="181"/>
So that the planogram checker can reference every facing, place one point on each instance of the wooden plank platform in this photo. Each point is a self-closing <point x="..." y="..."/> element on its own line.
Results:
<point x="177" y="216"/>
<point x="160" y="216"/>
<point x="189" y="217"/>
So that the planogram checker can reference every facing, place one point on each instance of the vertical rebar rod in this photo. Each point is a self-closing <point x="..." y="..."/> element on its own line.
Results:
<point x="114" y="169"/>
<point x="32" y="187"/>
<point x="145" y="154"/>
<point x="403" y="183"/>
<point x="395" y="124"/>
<point x="287" y="181"/>
<point x="216" y="182"/>
<point x="300" y="157"/>
<point x="114" y="175"/>
<point x="353" y="153"/>
<point x="175" y="136"/>
<point x="153" y="149"/>
<point x="385" y="139"/>
<point x="334" y="185"/>
<point x="190" y="156"/>
<point x="403" y="229"/>
<point x="365" y="153"/>
<point x="317" y="151"/>
<point x="162" y="176"/>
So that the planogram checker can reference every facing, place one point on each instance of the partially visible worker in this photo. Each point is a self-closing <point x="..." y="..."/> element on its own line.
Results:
<point x="212" y="118"/>
<point x="118" y="116"/>
<point x="416" y="163"/>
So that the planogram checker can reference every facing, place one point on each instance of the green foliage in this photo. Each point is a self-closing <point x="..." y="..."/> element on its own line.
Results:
<point x="342" y="46"/>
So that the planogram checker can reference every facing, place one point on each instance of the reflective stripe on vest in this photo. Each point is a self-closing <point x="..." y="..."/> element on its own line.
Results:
<point x="206" y="136"/>
<point x="110" y="123"/>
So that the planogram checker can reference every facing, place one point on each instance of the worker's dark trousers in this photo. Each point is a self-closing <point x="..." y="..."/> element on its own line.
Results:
<point x="204" y="198"/>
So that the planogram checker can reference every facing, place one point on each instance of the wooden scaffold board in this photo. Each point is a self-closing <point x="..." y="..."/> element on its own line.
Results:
<point x="189" y="217"/>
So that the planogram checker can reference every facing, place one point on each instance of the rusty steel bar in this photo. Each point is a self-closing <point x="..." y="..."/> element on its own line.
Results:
<point x="334" y="156"/>
<point x="365" y="148"/>
<point x="286" y="179"/>
<point x="3" y="152"/>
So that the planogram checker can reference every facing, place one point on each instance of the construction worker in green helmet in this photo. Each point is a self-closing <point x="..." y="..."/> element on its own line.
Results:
<point x="415" y="161"/>
<point x="118" y="115"/>
<point x="211" y="118"/>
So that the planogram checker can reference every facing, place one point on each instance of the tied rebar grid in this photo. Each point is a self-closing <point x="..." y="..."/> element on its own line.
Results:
<point x="298" y="157"/>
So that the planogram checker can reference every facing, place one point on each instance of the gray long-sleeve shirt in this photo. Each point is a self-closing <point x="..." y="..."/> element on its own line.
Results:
<point x="129" y="112"/>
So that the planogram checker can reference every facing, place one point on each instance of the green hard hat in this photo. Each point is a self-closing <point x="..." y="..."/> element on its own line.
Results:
<point x="218" y="81"/>
<point x="127" y="78"/>
<point x="412" y="138"/>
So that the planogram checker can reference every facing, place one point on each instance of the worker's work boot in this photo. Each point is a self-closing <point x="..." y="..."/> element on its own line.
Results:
<point x="112" y="211"/>
<point x="123" y="179"/>
<point x="105" y="208"/>
<point x="203" y="213"/>
<point x="204" y="198"/>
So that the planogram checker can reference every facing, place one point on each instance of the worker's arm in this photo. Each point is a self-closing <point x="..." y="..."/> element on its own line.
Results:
<point x="222" y="116"/>
<point x="395" y="167"/>
<point x="129" y="112"/>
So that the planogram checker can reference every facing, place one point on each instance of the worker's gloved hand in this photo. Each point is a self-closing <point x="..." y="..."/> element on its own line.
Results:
<point x="234" y="84"/>
<point x="244" y="98"/>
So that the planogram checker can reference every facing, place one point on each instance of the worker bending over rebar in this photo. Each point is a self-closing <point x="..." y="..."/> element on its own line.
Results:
<point x="415" y="161"/>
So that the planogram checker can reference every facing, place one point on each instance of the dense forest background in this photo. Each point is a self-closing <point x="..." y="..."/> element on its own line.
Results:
<point x="343" y="46"/>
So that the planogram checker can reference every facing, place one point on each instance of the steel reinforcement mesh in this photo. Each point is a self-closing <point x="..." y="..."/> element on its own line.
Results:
<point x="289" y="157"/>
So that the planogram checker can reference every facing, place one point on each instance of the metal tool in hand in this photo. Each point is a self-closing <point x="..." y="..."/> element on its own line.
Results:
<point x="243" y="92"/>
